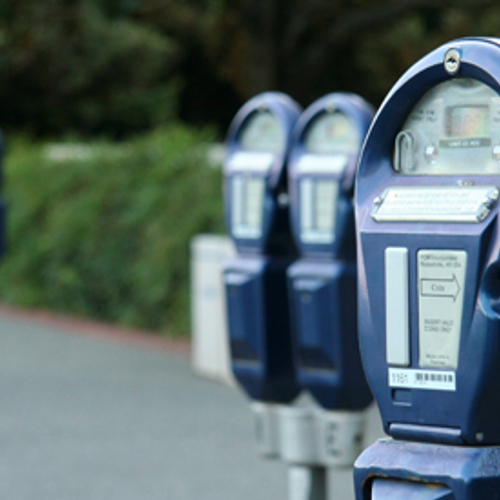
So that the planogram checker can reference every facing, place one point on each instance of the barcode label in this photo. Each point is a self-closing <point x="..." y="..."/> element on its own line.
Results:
<point x="422" y="379"/>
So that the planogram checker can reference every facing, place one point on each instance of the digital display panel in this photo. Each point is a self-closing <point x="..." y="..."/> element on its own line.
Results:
<point x="247" y="206"/>
<point x="262" y="131"/>
<point x="467" y="121"/>
<point x="453" y="129"/>
<point x="332" y="132"/>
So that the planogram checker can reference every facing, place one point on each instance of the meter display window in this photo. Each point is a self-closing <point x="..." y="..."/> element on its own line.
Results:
<point x="247" y="206"/>
<point x="318" y="200"/>
<point x="332" y="132"/>
<point x="453" y="129"/>
<point x="262" y="132"/>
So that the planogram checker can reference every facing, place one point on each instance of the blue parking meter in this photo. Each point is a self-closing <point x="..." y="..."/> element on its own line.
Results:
<point x="322" y="283"/>
<point x="3" y="204"/>
<point x="429" y="278"/>
<point x="256" y="209"/>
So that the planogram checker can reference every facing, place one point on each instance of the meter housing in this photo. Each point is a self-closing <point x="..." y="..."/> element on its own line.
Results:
<point x="256" y="211"/>
<point x="322" y="283"/>
<point x="428" y="248"/>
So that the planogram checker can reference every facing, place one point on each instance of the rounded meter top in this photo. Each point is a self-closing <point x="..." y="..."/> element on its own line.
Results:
<point x="327" y="140"/>
<point x="442" y="118"/>
<point x="255" y="171"/>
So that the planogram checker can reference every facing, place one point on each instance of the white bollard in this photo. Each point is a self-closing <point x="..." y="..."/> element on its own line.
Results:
<point x="210" y="346"/>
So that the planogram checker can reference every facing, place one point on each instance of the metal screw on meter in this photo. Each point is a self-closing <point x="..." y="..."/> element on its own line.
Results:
<point x="331" y="108"/>
<point x="452" y="61"/>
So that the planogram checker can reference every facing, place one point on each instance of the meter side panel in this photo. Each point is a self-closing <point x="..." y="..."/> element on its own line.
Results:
<point x="323" y="298"/>
<point x="259" y="327"/>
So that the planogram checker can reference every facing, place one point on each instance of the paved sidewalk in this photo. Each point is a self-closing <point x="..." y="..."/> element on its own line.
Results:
<point x="88" y="417"/>
<point x="94" y="413"/>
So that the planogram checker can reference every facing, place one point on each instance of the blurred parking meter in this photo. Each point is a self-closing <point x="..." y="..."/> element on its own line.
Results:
<point x="429" y="279"/>
<point x="322" y="283"/>
<point x="256" y="210"/>
<point x="3" y="204"/>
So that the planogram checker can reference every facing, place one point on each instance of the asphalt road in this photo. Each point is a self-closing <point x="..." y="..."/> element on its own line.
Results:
<point x="95" y="417"/>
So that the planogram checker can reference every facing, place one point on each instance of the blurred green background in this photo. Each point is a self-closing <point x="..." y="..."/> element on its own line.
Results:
<point x="110" y="106"/>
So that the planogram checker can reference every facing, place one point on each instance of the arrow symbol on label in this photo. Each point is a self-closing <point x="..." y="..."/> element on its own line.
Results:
<point x="440" y="288"/>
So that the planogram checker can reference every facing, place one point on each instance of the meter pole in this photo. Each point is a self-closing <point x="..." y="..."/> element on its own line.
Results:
<point x="307" y="482"/>
<point x="289" y="433"/>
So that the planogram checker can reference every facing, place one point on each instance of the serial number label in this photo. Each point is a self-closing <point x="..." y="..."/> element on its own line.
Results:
<point x="407" y="378"/>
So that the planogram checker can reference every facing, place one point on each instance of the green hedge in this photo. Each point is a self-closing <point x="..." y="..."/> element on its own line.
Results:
<point x="103" y="230"/>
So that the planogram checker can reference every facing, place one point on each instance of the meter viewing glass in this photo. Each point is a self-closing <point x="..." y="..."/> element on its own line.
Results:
<point x="262" y="132"/>
<point x="332" y="131"/>
<point x="453" y="129"/>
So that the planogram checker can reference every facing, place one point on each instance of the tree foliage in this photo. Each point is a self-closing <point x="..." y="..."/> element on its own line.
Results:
<point x="118" y="66"/>
<point x="72" y="66"/>
<point x="312" y="47"/>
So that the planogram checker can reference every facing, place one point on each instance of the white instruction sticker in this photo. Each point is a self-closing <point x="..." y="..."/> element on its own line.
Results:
<point x="441" y="281"/>
<point x="407" y="378"/>
<point x="435" y="204"/>
<point x="245" y="161"/>
<point x="325" y="164"/>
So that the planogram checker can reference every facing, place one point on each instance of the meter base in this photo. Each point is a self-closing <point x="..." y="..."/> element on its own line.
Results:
<point x="310" y="441"/>
<point x="307" y="435"/>
<point x="392" y="469"/>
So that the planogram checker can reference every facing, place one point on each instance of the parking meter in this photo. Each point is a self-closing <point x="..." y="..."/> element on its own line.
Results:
<point x="256" y="201"/>
<point x="429" y="277"/>
<point x="3" y="204"/>
<point x="322" y="283"/>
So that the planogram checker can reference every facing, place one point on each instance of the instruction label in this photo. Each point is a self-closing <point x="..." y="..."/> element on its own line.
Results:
<point x="245" y="161"/>
<point x="435" y="204"/>
<point x="324" y="164"/>
<point x="441" y="281"/>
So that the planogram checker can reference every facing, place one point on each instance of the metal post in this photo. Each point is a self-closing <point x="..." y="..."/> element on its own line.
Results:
<point x="307" y="482"/>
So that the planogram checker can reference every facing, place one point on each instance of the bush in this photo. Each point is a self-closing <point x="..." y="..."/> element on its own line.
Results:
<point x="103" y="230"/>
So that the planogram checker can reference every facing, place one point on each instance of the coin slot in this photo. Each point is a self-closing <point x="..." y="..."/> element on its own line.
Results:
<point x="402" y="397"/>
